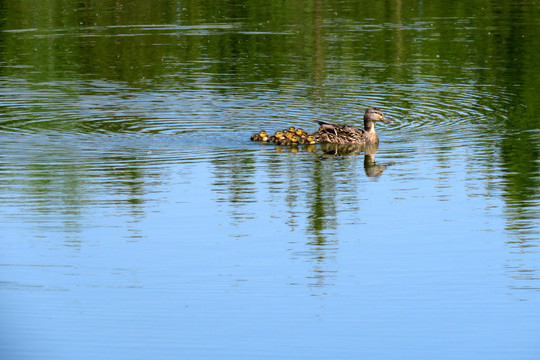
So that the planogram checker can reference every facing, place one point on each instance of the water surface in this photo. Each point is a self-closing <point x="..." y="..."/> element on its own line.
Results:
<point x="139" y="220"/>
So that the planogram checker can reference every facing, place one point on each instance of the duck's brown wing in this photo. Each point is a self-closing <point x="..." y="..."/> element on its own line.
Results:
<point x="339" y="134"/>
<point x="348" y="130"/>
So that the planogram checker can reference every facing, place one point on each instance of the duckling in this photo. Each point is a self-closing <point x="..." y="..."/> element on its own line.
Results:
<point x="346" y="134"/>
<point x="260" y="136"/>
<point x="288" y="141"/>
<point x="279" y="135"/>
<point x="289" y="134"/>
<point x="283" y="141"/>
<point x="299" y="131"/>
<point x="276" y="137"/>
<point x="308" y="140"/>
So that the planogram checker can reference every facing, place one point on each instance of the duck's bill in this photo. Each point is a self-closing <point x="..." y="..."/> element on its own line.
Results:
<point x="387" y="120"/>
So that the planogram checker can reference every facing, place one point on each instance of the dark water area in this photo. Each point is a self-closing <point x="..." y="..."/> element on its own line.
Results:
<point x="139" y="220"/>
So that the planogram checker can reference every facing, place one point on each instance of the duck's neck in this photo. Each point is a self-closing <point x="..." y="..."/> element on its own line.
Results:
<point x="369" y="126"/>
<point x="369" y="132"/>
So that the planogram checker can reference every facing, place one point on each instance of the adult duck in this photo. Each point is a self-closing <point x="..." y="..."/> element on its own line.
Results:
<point x="346" y="134"/>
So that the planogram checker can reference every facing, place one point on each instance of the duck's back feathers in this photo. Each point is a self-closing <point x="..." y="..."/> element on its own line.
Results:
<point x="339" y="134"/>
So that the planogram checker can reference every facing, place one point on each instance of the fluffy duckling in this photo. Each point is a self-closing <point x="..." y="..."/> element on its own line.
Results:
<point x="283" y="141"/>
<point x="260" y="136"/>
<point x="307" y="140"/>
<point x="288" y="134"/>
<point x="299" y="131"/>
<point x="276" y="137"/>
<point x="288" y="141"/>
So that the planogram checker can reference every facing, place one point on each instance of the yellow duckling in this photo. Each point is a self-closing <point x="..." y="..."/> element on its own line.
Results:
<point x="299" y="131"/>
<point x="260" y="136"/>
<point x="289" y="134"/>
<point x="283" y="141"/>
<point x="293" y="140"/>
<point x="307" y="140"/>
<point x="276" y="137"/>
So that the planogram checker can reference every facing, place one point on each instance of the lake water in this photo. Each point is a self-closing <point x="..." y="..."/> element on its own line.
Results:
<point x="139" y="221"/>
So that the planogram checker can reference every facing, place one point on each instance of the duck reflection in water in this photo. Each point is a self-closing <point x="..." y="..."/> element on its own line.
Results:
<point x="331" y="151"/>
<point x="295" y="149"/>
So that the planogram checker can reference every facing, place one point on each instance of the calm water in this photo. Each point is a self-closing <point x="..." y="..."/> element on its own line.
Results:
<point x="139" y="221"/>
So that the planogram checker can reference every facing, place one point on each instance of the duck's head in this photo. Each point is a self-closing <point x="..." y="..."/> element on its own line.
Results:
<point x="292" y="129"/>
<point x="278" y="135"/>
<point x="299" y="131"/>
<point x="289" y="134"/>
<point x="375" y="114"/>
<point x="310" y="140"/>
<point x="294" y="140"/>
